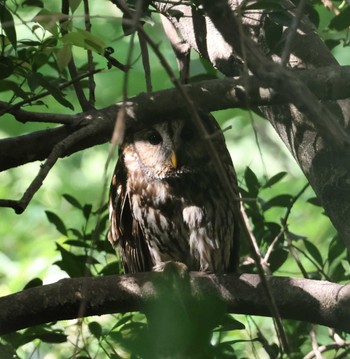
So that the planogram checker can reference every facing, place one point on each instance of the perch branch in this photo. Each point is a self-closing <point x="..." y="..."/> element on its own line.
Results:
<point x="319" y="302"/>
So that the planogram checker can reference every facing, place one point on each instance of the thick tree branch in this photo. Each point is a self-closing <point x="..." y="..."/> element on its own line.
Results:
<point x="314" y="301"/>
<point x="326" y="83"/>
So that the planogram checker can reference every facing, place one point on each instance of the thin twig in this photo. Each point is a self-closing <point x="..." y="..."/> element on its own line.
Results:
<point x="181" y="49"/>
<point x="11" y="108"/>
<point x="315" y="347"/>
<point x="284" y="221"/>
<point x="292" y="30"/>
<point x="84" y="103"/>
<point x="20" y="205"/>
<point x="91" y="65"/>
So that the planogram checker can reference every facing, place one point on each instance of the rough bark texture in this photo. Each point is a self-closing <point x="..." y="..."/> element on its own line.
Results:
<point x="328" y="83"/>
<point x="300" y="299"/>
<point x="324" y="163"/>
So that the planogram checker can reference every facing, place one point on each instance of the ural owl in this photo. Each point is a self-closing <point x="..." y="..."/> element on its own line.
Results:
<point x="167" y="201"/>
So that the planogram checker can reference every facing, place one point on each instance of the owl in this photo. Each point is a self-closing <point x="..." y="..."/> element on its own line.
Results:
<point x="168" y="202"/>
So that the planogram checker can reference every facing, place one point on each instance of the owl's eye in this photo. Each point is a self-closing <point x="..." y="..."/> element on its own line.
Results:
<point x="154" y="138"/>
<point x="187" y="132"/>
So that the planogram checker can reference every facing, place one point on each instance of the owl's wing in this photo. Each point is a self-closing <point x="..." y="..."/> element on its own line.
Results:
<point x="124" y="229"/>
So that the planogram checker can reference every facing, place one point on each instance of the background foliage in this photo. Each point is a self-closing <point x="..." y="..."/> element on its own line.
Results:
<point x="62" y="233"/>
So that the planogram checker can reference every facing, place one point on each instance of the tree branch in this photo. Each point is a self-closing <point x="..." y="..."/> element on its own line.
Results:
<point x="326" y="83"/>
<point x="313" y="301"/>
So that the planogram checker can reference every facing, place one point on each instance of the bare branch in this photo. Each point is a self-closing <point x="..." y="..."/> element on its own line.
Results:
<point x="84" y="103"/>
<point x="90" y="58"/>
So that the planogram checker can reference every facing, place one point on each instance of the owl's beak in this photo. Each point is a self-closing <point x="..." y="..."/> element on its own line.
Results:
<point x="173" y="159"/>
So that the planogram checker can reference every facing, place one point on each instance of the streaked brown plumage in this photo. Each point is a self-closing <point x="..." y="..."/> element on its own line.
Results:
<point x="167" y="202"/>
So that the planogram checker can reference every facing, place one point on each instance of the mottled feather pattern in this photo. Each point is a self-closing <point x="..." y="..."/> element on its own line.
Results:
<point x="167" y="202"/>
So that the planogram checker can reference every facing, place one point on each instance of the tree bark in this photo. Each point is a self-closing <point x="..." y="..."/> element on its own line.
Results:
<point x="330" y="83"/>
<point x="219" y="38"/>
<point x="313" y="301"/>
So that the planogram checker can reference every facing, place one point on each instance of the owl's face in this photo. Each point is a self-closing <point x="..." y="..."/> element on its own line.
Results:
<point x="165" y="150"/>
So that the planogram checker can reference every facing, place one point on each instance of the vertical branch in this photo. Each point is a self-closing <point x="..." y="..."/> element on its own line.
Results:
<point x="90" y="59"/>
<point x="181" y="49"/>
<point x="145" y="62"/>
<point x="291" y="33"/>
<point x="84" y="103"/>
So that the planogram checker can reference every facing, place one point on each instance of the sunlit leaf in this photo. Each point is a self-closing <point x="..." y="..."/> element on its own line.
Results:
<point x="84" y="39"/>
<point x="64" y="55"/>
<point x="48" y="20"/>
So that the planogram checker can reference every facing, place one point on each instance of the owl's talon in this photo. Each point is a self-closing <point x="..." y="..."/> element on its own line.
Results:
<point x="172" y="268"/>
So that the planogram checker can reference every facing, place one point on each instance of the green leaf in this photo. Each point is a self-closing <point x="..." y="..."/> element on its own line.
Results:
<point x="252" y="182"/>
<point x="77" y="243"/>
<point x="230" y="323"/>
<point x="51" y="337"/>
<point x="336" y="249"/>
<point x="36" y="282"/>
<point x="72" y="200"/>
<point x="341" y="21"/>
<point x="7" y="351"/>
<point x="87" y="210"/>
<point x="48" y="20"/>
<point x="76" y="232"/>
<point x="8" y="25"/>
<point x="64" y="56"/>
<point x="314" y="252"/>
<point x="315" y="201"/>
<point x="95" y="329"/>
<point x="277" y="258"/>
<point x="126" y="318"/>
<point x="84" y="39"/>
<point x="282" y="200"/>
<point x="36" y="3"/>
<point x="111" y="268"/>
<point x="74" y="4"/>
<point x="54" y="219"/>
<point x="332" y="43"/>
<point x="36" y="79"/>
<point x="7" y="85"/>
<point x="73" y="265"/>
<point x="274" y="179"/>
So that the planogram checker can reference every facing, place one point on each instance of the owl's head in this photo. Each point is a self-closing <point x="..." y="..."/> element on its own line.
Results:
<point x="165" y="150"/>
